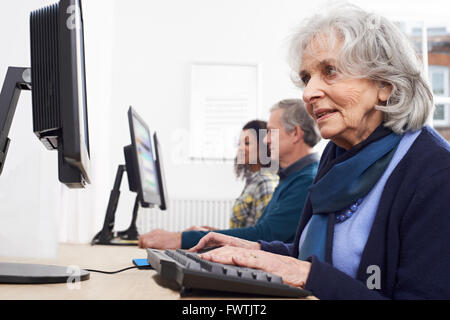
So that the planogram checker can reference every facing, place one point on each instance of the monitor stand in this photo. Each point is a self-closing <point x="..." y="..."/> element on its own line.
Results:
<point x="16" y="80"/>
<point x="107" y="236"/>
<point x="20" y="273"/>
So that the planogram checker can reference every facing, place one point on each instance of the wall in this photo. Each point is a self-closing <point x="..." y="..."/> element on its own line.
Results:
<point x="26" y="211"/>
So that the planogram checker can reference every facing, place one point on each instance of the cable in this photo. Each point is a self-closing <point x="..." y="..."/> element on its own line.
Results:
<point x="111" y="272"/>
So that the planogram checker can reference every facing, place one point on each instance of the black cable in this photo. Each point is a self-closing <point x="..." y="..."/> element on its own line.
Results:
<point x="111" y="272"/>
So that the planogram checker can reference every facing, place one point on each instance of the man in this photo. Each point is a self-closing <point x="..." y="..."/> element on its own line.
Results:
<point x="292" y="134"/>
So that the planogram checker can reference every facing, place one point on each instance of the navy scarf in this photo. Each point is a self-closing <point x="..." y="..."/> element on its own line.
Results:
<point x="342" y="179"/>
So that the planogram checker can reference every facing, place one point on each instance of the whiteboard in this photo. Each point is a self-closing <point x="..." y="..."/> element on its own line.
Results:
<point x="224" y="97"/>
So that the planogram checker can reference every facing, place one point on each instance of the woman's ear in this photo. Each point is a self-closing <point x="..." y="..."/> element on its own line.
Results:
<point x="384" y="92"/>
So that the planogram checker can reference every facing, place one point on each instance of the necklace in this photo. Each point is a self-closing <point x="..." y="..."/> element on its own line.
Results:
<point x="345" y="214"/>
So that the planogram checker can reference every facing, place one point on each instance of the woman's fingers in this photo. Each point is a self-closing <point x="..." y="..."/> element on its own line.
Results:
<point x="233" y="255"/>
<point x="221" y="255"/>
<point x="249" y="260"/>
<point x="212" y="239"/>
<point x="207" y="241"/>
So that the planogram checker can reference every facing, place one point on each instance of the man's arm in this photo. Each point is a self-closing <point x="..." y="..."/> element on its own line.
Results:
<point x="280" y="223"/>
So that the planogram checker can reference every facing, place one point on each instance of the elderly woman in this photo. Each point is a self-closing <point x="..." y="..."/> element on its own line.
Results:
<point x="376" y="222"/>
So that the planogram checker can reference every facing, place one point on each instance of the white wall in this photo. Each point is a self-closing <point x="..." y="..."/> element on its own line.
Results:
<point x="27" y="214"/>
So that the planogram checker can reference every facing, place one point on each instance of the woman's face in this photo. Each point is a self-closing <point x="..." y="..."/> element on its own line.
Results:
<point x="248" y="148"/>
<point x="344" y="108"/>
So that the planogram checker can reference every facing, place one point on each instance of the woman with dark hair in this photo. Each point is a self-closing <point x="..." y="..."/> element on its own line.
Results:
<point x="260" y="181"/>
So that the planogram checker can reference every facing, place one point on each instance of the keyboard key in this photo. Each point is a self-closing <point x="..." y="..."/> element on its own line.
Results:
<point x="245" y="274"/>
<point x="230" y="271"/>
<point x="276" y="279"/>
<point x="261" y="276"/>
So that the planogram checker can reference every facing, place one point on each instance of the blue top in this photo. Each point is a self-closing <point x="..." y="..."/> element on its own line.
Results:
<point x="408" y="240"/>
<point x="280" y="218"/>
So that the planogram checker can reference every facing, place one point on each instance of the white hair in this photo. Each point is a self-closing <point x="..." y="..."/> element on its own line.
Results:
<point x="372" y="48"/>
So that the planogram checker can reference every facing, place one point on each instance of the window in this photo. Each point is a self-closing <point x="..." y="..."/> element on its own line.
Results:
<point x="436" y="42"/>
<point x="440" y="83"/>
<point x="438" y="45"/>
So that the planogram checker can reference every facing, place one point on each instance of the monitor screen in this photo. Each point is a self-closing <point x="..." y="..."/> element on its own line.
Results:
<point x="81" y="83"/>
<point x="146" y="170"/>
<point x="161" y="176"/>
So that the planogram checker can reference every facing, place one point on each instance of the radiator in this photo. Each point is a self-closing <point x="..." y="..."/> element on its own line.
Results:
<point x="182" y="214"/>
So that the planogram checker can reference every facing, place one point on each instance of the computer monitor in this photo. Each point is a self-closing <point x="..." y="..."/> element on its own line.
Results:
<point x="60" y="117"/>
<point x="141" y="167"/>
<point x="145" y="172"/>
<point x="58" y="83"/>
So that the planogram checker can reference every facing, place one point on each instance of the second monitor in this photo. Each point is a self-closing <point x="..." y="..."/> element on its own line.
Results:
<point x="145" y="177"/>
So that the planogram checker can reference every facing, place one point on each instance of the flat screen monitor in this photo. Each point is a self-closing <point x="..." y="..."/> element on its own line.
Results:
<point x="58" y="80"/>
<point x="145" y="174"/>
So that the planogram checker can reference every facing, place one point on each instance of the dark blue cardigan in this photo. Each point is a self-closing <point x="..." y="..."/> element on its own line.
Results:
<point x="410" y="238"/>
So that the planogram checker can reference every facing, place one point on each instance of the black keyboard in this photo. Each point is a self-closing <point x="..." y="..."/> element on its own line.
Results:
<point x="190" y="271"/>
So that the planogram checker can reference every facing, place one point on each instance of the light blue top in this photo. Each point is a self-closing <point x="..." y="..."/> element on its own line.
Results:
<point x="350" y="236"/>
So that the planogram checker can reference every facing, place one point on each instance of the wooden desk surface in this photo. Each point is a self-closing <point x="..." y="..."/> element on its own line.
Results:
<point x="132" y="284"/>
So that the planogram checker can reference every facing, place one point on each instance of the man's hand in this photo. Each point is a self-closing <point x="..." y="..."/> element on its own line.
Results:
<point x="160" y="239"/>
<point x="213" y="239"/>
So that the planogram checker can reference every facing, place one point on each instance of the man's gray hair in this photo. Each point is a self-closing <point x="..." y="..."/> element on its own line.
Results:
<point x="372" y="48"/>
<point x="295" y="114"/>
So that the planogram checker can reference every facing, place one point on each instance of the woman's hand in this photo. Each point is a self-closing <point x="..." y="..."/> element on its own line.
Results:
<point x="213" y="239"/>
<point x="293" y="271"/>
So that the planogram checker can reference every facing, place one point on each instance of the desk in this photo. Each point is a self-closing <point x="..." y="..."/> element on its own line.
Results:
<point x="132" y="284"/>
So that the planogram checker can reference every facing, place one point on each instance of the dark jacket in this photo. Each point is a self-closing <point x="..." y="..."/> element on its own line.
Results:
<point x="410" y="237"/>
